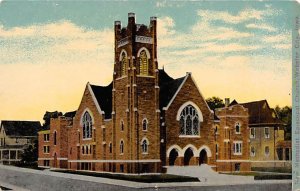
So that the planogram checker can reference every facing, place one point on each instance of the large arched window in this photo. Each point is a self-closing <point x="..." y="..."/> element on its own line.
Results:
<point x="189" y="121"/>
<point x="123" y="64"/>
<point x="143" y="63"/>
<point x="87" y="126"/>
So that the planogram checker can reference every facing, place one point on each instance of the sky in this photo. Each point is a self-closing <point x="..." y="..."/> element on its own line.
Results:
<point x="49" y="50"/>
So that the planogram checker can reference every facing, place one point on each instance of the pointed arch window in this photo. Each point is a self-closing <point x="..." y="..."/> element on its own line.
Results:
<point x="145" y="145"/>
<point x="110" y="147"/>
<point x="123" y="64"/>
<point x="121" y="147"/>
<point x="189" y="121"/>
<point x="87" y="126"/>
<point x="143" y="63"/>
<point x="145" y="124"/>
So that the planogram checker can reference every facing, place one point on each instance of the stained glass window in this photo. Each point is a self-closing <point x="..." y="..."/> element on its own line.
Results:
<point x="123" y="64"/>
<point x="189" y="121"/>
<point x="143" y="63"/>
<point x="87" y="125"/>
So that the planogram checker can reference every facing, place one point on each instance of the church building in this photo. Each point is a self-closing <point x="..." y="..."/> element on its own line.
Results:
<point x="145" y="120"/>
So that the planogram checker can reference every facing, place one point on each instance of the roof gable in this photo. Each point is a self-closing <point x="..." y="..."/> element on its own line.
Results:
<point x="102" y="96"/>
<point x="260" y="113"/>
<point x="21" y="128"/>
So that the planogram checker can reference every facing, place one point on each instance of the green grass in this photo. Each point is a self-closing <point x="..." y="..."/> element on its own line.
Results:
<point x="262" y="175"/>
<point x="136" y="178"/>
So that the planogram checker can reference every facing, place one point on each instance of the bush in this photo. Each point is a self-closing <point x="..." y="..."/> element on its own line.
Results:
<point x="136" y="178"/>
<point x="272" y="177"/>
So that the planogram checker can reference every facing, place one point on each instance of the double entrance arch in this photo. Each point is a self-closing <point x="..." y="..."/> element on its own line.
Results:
<point x="189" y="155"/>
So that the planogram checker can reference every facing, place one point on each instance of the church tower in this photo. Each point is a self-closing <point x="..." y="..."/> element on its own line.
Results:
<point x="135" y="115"/>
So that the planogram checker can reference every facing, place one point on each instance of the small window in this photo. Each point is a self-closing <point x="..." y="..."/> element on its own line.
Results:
<point x="143" y="65"/>
<point x="87" y="149"/>
<point x="121" y="147"/>
<point x="87" y="126"/>
<point x="144" y="146"/>
<point x="267" y="150"/>
<point x="46" y="137"/>
<point x="267" y="132"/>
<point x="237" y="167"/>
<point x="145" y="124"/>
<point x="217" y="148"/>
<point x="121" y="167"/>
<point x="122" y="125"/>
<point x="237" y="128"/>
<point x="287" y="154"/>
<point x="252" y="133"/>
<point x="252" y="151"/>
<point x="54" y="137"/>
<point x="110" y="147"/>
<point x="83" y="150"/>
<point x="237" y="148"/>
<point x="46" y="149"/>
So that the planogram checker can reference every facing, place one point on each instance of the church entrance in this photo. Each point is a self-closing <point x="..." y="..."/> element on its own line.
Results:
<point x="173" y="156"/>
<point x="203" y="157"/>
<point x="188" y="155"/>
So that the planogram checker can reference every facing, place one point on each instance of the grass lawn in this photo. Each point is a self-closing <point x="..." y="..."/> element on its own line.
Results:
<point x="136" y="178"/>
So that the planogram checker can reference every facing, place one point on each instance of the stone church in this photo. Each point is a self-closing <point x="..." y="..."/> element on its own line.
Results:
<point x="145" y="120"/>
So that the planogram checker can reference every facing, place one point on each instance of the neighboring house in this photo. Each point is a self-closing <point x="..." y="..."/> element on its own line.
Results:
<point x="266" y="135"/>
<point x="15" y="136"/>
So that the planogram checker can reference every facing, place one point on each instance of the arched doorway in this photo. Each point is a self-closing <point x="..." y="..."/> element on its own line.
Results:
<point x="187" y="156"/>
<point x="55" y="161"/>
<point x="173" y="156"/>
<point x="203" y="157"/>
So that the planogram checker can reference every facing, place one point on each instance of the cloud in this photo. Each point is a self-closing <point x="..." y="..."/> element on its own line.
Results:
<point x="242" y="16"/>
<point x="261" y="26"/>
<point x="46" y="67"/>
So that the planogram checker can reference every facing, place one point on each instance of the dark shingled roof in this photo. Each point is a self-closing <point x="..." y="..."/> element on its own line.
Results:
<point x="103" y="95"/>
<point x="70" y="114"/>
<point x="260" y="113"/>
<point x="21" y="128"/>
<point x="168" y="87"/>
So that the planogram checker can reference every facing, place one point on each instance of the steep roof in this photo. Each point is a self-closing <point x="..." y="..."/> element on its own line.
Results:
<point x="260" y="114"/>
<point x="103" y="95"/>
<point x="21" y="128"/>
<point x="70" y="114"/>
<point x="168" y="88"/>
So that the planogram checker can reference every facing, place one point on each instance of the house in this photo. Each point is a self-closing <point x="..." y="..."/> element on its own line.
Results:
<point x="15" y="136"/>
<point x="267" y="144"/>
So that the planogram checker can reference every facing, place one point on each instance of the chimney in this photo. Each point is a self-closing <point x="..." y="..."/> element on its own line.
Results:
<point x="227" y="102"/>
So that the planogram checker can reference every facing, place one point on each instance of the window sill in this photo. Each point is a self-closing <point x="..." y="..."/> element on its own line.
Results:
<point x="87" y="139"/>
<point x="237" y="154"/>
<point x="145" y="76"/>
<point x="237" y="133"/>
<point x="189" y="136"/>
<point x="144" y="153"/>
<point x="121" y="77"/>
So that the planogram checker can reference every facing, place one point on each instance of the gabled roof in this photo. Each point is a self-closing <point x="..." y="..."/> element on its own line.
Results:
<point x="168" y="88"/>
<point x="260" y="114"/>
<point x="21" y="128"/>
<point x="70" y="114"/>
<point x="103" y="95"/>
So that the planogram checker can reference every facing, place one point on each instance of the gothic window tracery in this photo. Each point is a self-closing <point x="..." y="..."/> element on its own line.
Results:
<point x="189" y="121"/>
<point x="87" y="126"/>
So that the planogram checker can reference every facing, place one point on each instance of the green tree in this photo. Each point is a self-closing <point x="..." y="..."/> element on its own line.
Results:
<point x="215" y="102"/>
<point x="285" y="115"/>
<point x="47" y="116"/>
<point x="30" y="155"/>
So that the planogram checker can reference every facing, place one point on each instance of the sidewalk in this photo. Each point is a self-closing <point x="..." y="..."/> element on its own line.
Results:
<point x="229" y="181"/>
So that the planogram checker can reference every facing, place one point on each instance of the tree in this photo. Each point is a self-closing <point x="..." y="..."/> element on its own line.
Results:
<point x="30" y="155"/>
<point x="215" y="102"/>
<point x="47" y="116"/>
<point x="285" y="115"/>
